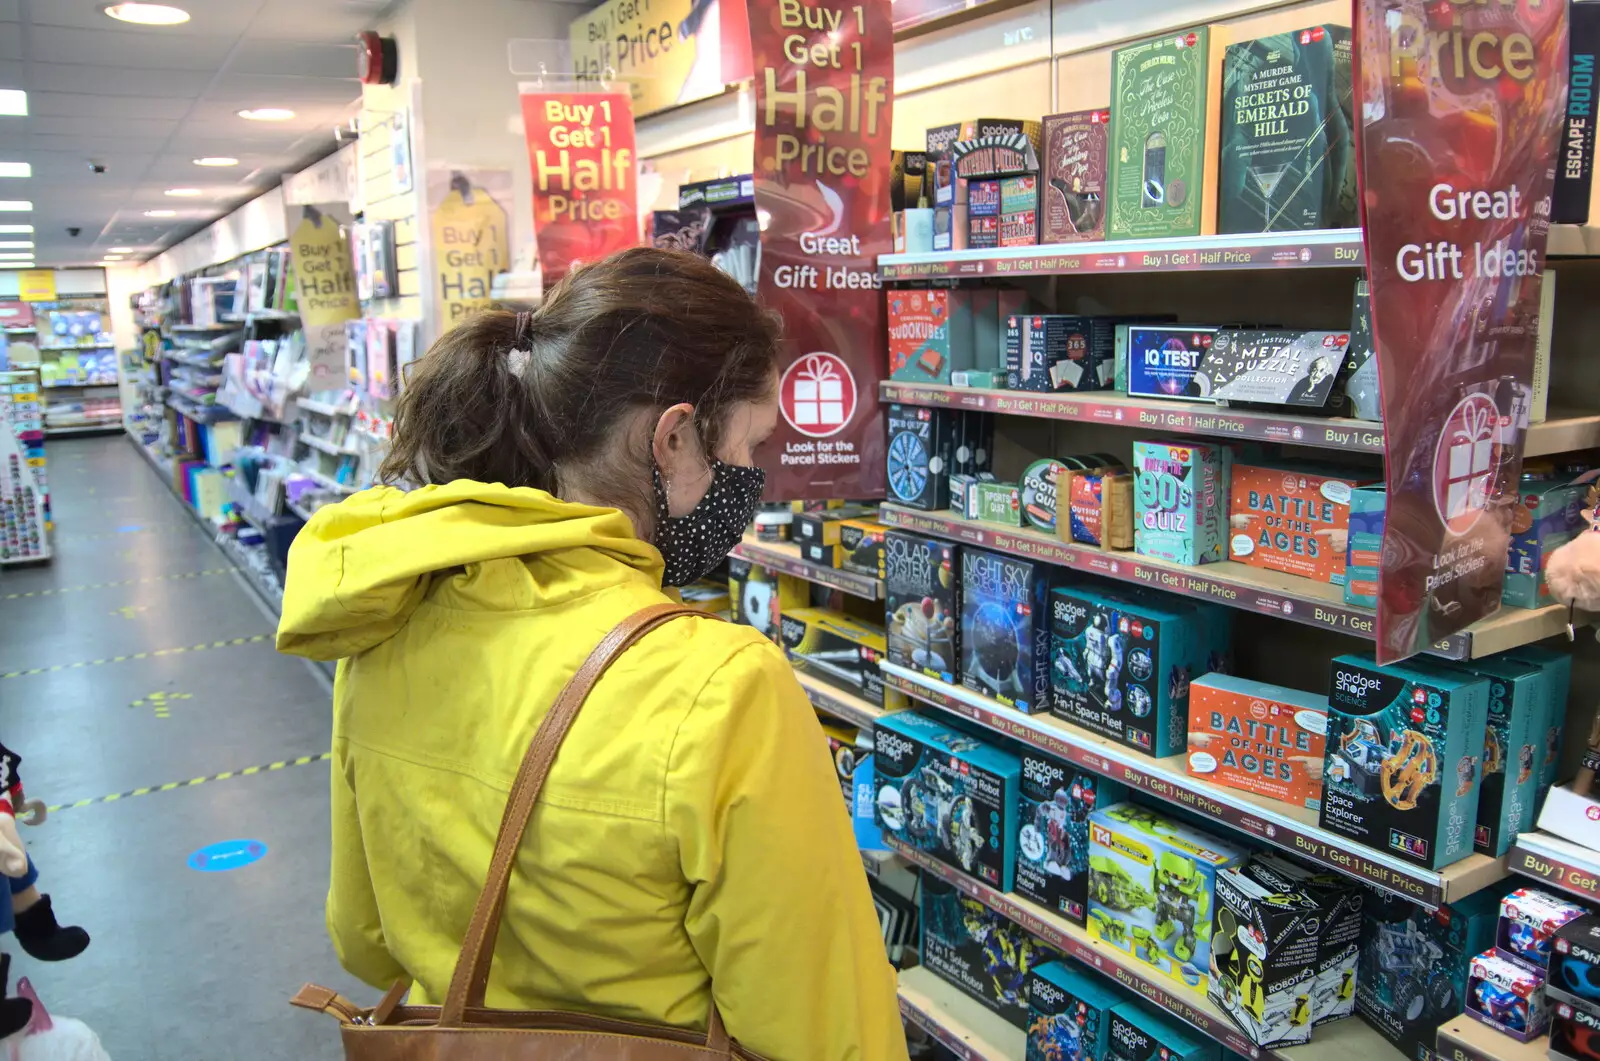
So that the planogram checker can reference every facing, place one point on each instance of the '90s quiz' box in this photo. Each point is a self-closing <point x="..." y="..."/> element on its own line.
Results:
<point x="1180" y="498"/>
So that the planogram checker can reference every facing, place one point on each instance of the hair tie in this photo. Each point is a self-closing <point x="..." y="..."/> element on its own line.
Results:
<point x="524" y="322"/>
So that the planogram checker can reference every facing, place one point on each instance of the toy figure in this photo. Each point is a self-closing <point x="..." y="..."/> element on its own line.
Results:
<point x="1109" y="929"/>
<point x="1466" y="770"/>
<point x="1054" y="1038"/>
<point x="1116" y="651"/>
<point x="1524" y="763"/>
<point x="1095" y="652"/>
<point x="29" y="915"/>
<point x="1180" y="904"/>
<point x="1111" y="886"/>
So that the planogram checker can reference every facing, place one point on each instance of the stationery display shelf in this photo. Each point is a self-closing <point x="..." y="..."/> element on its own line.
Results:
<point x="87" y="428"/>
<point x="1292" y="828"/>
<point x="71" y="348"/>
<point x="1468" y="1039"/>
<point x="68" y="384"/>
<point x="1328" y="248"/>
<point x="1559" y="863"/>
<point x="329" y="447"/>
<point x="785" y="557"/>
<point x="1237" y="585"/>
<point x="302" y="512"/>
<point x="220" y="326"/>
<point x="1339" y="1041"/>
<point x="312" y="406"/>
<point x="956" y="1021"/>
<point x="192" y="360"/>
<point x="1573" y="241"/>
<point x="1563" y="432"/>
<point x="323" y="480"/>
<point x="839" y="703"/>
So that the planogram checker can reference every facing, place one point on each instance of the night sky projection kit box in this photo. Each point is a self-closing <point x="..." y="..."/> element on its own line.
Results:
<point x="1513" y="748"/>
<point x="1288" y="152"/>
<point x="1180" y="498"/>
<point x="1138" y="1033"/>
<point x="1005" y="629"/>
<point x="1257" y="737"/>
<point x="1164" y="93"/>
<point x="1292" y="517"/>
<point x="1402" y="768"/>
<point x="1122" y="661"/>
<point x="1161" y="360"/>
<point x="1073" y="177"/>
<point x="922" y="595"/>
<point x="982" y="953"/>
<point x="947" y="794"/>
<point x="930" y="334"/>
<point x="1264" y="951"/>
<point x="1152" y="887"/>
<point x="1069" y="1014"/>
<point x="921" y="445"/>
<point x="1414" y="962"/>
<point x="1053" y="844"/>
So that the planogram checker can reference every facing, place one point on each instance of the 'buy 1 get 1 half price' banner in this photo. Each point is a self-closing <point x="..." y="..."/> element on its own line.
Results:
<point x="1462" y="103"/>
<point x="824" y="74"/>
<point x="585" y="176"/>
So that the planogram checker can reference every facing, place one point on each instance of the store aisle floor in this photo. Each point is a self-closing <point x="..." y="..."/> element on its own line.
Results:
<point x="135" y="660"/>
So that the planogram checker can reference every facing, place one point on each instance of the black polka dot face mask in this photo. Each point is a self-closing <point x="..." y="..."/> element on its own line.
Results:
<point x="693" y="545"/>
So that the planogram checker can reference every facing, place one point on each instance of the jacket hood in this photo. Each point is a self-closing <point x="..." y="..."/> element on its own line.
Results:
<point x="359" y="568"/>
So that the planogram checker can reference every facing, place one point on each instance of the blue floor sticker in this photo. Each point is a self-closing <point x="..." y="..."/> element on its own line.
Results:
<point x="131" y="528"/>
<point x="227" y="854"/>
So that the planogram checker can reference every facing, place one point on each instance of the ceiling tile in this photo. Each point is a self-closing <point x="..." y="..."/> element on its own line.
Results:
<point x="103" y="126"/>
<point x="259" y="90"/>
<point x="150" y="50"/>
<point x="220" y="18"/>
<point x="118" y="105"/>
<point x="299" y="58"/>
<point x="10" y="40"/>
<point x="101" y="80"/>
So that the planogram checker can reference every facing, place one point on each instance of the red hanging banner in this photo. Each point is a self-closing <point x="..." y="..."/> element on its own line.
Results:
<point x="1462" y="103"/>
<point x="824" y="75"/>
<point x="585" y="176"/>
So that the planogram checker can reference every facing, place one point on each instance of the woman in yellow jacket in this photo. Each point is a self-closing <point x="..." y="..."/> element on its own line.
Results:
<point x="691" y="839"/>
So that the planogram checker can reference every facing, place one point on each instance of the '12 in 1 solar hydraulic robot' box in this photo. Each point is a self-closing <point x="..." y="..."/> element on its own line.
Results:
<point x="922" y="593"/>
<point x="1005" y="629"/>
<point x="1053" y="845"/>
<point x="946" y="793"/>
<point x="982" y="953"/>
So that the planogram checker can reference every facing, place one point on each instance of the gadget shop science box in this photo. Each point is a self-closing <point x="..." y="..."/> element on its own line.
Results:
<point x="1053" y="844"/>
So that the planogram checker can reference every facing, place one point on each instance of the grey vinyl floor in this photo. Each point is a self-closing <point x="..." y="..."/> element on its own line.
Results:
<point x="184" y="965"/>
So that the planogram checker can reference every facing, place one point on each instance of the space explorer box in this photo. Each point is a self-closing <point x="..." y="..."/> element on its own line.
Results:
<point x="1053" y="844"/>
<point x="1005" y="629"/>
<point x="1401" y="769"/>
<point x="947" y="794"/>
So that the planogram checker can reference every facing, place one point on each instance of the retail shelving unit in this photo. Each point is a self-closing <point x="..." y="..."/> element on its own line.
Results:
<point x="955" y="1021"/>
<point x="1558" y="863"/>
<point x="785" y="557"/>
<point x="1467" y="1039"/>
<point x="1237" y="585"/>
<point x="840" y="703"/>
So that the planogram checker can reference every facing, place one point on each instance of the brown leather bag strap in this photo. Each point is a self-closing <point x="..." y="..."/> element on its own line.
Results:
<point x="471" y="977"/>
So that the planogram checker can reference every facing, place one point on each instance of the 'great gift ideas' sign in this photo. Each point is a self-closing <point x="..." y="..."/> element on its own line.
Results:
<point x="824" y="74"/>
<point x="1461" y="102"/>
<point x="585" y="186"/>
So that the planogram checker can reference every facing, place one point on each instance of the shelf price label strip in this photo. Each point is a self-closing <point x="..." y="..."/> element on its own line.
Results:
<point x="832" y="577"/>
<point x="823" y="700"/>
<point x="1419" y="885"/>
<point x="1156" y="416"/>
<point x="1129" y="567"/>
<point x="929" y="1023"/>
<point x="1454" y="1049"/>
<point x="1569" y="878"/>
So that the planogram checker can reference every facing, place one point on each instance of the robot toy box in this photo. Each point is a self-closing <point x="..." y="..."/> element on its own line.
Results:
<point x="978" y="951"/>
<point x="921" y="445"/>
<point x="1414" y="964"/>
<point x="948" y="794"/>
<point x="1260" y="738"/>
<point x="1557" y="668"/>
<point x="759" y="596"/>
<point x="1401" y="767"/>
<point x="1053" y="844"/>
<point x="922" y="594"/>
<point x="1574" y="977"/>
<point x="836" y="648"/>
<point x="1135" y="1033"/>
<point x="1264" y="954"/>
<point x="1529" y="921"/>
<point x="1291" y="517"/>
<point x="1180" y="498"/>
<point x="1152" y="887"/>
<point x="1005" y="629"/>
<point x="1069" y="1014"/>
<point x="1507" y="996"/>
<point x="1122" y="661"/>
<point x="1512" y="749"/>
<point x="1333" y="990"/>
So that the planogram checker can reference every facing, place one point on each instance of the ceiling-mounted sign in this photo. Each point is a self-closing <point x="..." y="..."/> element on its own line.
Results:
<point x="471" y="243"/>
<point x="667" y="52"/>
<point x="1462" y="107"/>
<point x="585" y="176"/>
<point x="36" y="285"/>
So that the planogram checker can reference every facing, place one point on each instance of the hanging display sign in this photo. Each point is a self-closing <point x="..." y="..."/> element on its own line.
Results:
<point x="1462" y="105"/>
<point x="667" y="52"/>
<point x="324" y="270"/>
<point x="471" y="240"/>
<point x="36" y="285"/>
<point x="824" y="94"/>
<point x="585" y="176"/>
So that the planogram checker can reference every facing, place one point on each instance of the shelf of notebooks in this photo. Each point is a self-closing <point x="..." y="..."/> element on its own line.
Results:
<point x="957" y="1022"/>
<point x="785" y="557"/>
<point x="1235" y="584"/>
<point x="1274" y="822"/>
<point x="1468" y="1039"/>
<point x="1565" y="431"/>
<point x="1559" y="863"/>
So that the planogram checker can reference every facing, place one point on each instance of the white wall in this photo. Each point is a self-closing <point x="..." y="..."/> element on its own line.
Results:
<point x="259" y="223"/>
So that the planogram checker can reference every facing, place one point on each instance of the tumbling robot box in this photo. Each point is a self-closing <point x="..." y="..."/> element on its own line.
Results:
<point x="1507" y="996"/>
<point x="978" y="951"/>
<point x="1122" y="662"/>
<point x="1574" y="977"/>
<point x="1005" y="629"/>
<point x="1529" y="921"/>
<point x="1152" y="887"/>
<point x="1511" y="751"/>
<point x="1053" y="845"/>
<point x="1264" y="954"/>
<point x="1180" y="498"/>
<point x="1291" y="517"/>
<point x="1260" y="738"/>
<point x="1138" y="1034"/>
<point x="1069" y="1014"/>
<point x="1401" y="767"/>
<point x="948" y="794"/>
<point x="922" y="594"/>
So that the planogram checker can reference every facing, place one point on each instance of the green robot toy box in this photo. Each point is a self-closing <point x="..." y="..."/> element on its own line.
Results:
<point x="977" y="950"/>
<point x="1152" y="888"/>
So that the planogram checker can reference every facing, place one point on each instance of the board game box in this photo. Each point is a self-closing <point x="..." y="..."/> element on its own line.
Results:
<point x="1180" y="497"/>
<point x="1161" y="361"/>
<point x="1260" y="738"/>
<point x="922" y="595"/>
<point x="1292" y="517"/>
<point x="921" y="445"/>
<point x="930" y="334"/>
<point x="1273" y="367"/>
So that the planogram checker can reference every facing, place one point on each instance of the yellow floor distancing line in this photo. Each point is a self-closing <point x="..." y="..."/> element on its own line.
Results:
<point x="120" y="582"/>
<point x="170" y="786"/>
<point x="136" y="655"/>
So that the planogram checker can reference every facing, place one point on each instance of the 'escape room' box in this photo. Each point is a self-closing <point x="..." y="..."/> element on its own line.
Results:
<point x="1005" y="629"/>
<point x="1053" y="844"/>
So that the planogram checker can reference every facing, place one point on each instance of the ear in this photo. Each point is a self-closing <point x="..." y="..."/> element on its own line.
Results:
<point x="675" y="443"/>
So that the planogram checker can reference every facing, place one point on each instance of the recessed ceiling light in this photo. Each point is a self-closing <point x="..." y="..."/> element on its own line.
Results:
<point x="148" y="14"/>
<point x="15" y="169"/>
<point x="216" y="160"/>
<point x="16" y="228"/>
<point x="119" y="250"/>
<point x="183" y="193"/>
<point x="15" y="255"/>
<point x="113" y="258"/>
<point x="267" y="114"/>
<point x="161" y="213"/>
<point x="13" y="101"/>
<point x="16" y="265"/>
<point x="10" y="244"/>
<point x="15" y="205"/>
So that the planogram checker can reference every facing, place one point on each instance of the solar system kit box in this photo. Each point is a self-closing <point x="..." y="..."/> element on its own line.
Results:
<point x="1005" y="629"/>
<point x="1069" y="1013"/>
<point x="1513" y="750"/>
<point x="1256" y="737"/>
<point x="1060" y="352"/>
<point x="1292" y="517"/>
<point x="1180" y="499"/>
<point x="1160" y="361"/>
<point x="931" y="333"/>
<point x="922" y="597"/>
<point x="982" y="953"/>
<point x="1272" y="367"/>
<point x="1401" y="772"/>
<point x="921" y="445"/>
<point x="1136" y="1033"/>
<point x="1073" y="177"/>
<point x="1053" y="843"/>
<point x="1122" y="661"/>
<point x="947" y="794"/>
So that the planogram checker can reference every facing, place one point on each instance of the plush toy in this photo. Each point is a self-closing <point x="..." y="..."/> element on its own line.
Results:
<point x="1573" y="575"/>
<point x="29" y="915"/>
<point x="47" y="1038"/>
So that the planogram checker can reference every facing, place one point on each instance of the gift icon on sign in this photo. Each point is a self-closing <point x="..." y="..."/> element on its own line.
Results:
<point x="1465" y="462"/>
<point x="818" y="394"/>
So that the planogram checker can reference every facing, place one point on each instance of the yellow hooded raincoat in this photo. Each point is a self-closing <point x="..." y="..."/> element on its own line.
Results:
<point x="691" y="831"/>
